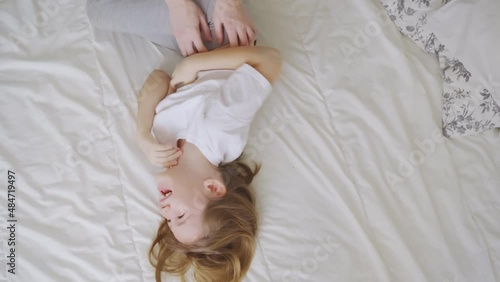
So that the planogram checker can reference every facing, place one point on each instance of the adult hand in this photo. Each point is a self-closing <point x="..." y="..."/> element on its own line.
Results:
<point x="229" y="15"/>
<point x="188" y="23"/>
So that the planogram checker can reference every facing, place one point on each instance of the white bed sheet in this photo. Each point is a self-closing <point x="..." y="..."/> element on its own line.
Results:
<point x="338" y="196"/>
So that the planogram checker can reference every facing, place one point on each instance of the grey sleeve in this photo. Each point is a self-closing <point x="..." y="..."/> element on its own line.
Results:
<point x="146" y="18"/>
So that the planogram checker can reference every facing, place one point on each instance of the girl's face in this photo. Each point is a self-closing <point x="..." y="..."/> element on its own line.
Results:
<point x="183" y="198"/>
<point x="185" y="191"/>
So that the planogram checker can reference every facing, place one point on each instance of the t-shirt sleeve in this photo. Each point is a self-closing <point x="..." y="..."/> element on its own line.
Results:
<point x="243" y="93"/>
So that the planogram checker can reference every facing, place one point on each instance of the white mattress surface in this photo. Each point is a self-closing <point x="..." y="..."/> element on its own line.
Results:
<point x="357" y="184"/>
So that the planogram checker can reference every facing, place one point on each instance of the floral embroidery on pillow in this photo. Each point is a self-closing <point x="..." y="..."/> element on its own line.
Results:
<point x="468" y="108"/>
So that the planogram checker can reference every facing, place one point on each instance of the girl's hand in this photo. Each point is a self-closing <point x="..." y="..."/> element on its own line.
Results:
<point x="183" y="74"/>
<point x="157" y="154"/>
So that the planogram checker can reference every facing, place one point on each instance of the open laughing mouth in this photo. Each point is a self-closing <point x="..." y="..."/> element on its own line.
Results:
<point x="165" y="193"/>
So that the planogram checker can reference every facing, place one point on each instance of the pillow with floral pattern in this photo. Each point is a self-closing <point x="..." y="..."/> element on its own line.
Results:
<point x="468" y="107"/>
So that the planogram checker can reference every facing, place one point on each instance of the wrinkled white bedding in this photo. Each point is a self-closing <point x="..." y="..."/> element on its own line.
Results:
<point x="357" y="183"/>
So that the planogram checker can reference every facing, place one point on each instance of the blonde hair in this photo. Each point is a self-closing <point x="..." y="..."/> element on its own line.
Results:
<point x="226" y="253"/>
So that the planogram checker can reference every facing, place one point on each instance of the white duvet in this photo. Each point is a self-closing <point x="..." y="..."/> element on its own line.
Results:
<point x="357" y="184"/>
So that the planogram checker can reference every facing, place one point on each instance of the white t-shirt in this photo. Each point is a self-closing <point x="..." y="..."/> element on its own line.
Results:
<point x="214" y="113"/>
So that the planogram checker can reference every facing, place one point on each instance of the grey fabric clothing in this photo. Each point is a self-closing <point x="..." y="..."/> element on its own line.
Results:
<point x="147" y="18"/>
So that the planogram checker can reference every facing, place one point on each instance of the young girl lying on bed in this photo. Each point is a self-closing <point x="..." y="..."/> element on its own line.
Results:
<point x="201" y="129"/>
<point x="196" y="124"/>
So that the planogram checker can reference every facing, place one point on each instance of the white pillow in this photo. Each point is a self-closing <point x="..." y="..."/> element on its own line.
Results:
<point x="468" y="106"/>
<point x="470" y="30"/>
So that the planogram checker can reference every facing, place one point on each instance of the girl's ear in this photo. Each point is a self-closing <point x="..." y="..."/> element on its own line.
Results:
<point x="214" y="187"/>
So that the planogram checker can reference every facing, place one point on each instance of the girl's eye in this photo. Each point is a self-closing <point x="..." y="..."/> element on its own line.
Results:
<point x="168" y="220"/>
<point x="181" y="216"/>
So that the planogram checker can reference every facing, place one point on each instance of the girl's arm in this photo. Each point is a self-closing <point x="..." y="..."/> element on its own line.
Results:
<point x="265" y="60"/>
<point x="152" y="92"/>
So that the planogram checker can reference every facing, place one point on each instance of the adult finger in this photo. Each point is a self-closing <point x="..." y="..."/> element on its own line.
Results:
<point x="219" y="32"/>
<point x="183" y="51"/>
<point x="183" y="44"/>
<point x="243" y="37"/>
<point x="233" y="37"/>
<point x="251" y="35"/>
<point x="205" y="29"/>
<point x="189" y="49"/>
<point x="200" y="47"/>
